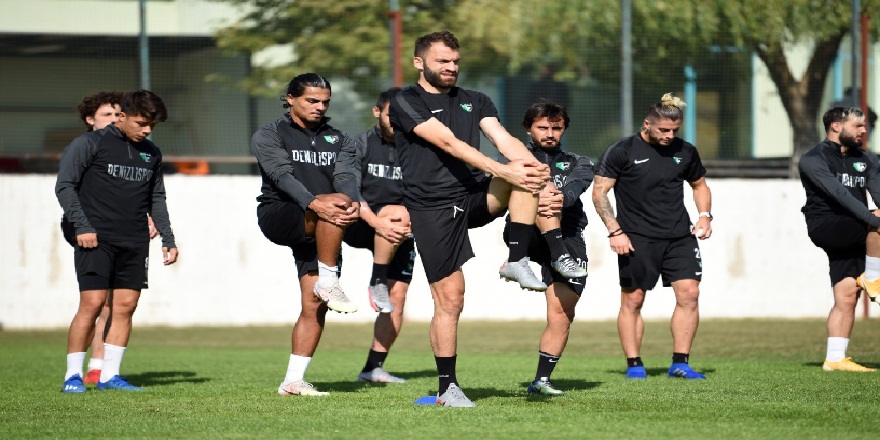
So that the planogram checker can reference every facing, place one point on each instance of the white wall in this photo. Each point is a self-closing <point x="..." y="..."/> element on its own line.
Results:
<point x="759" y="262"/>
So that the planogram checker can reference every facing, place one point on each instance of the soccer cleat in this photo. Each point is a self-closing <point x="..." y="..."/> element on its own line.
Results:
<point x="846" y="364"/>
<point x="73" y="384"/>
<point x="118" y="383"/>
<point x="568" y="267"/>
<point x="871" y="288"/>
<point x="521" y="272"/>
<point x="454" y="398"/>
<point x="335" y="298"/>
<point x="545" y="387"/>
<point x="299" y="388"/>
<point x="684" y="371"/>
<point x="637" y="372"/>
<point x="379" y="375"/>
<point x="379" y="298"/>
<point x="92" y="377"/>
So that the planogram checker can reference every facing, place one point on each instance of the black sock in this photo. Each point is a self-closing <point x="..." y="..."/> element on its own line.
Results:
<point x="546" y="364"/>
<point x="554" y="241"/>
<point x="374" y="360"/>
<point x="445" y="372"/>
<point x="680" y="358"/>
<point x="518" y="241"/>
<point x="634" y="362"/>
<point x="380" y="274"/>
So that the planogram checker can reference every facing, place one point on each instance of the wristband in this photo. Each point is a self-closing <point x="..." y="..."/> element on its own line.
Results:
<point x="706" y="214"/>
<point x="616" y="232"/>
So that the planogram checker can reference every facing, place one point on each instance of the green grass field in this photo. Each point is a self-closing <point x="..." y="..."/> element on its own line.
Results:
<point x="764" y="381"/>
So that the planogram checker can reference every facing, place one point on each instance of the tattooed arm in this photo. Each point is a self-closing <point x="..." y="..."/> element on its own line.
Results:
<point x="619" y="240"/>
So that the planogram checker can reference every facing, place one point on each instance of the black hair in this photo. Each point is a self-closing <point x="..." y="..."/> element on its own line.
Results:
<point x="423" y="43"/>
<point x="545" y="108"/>
<point x="146" y="104"/>
<point x="386" y="96"/>
<point x="297" y="86"/>
<point x="90" y="104"/>
<point x="840" y="114"/>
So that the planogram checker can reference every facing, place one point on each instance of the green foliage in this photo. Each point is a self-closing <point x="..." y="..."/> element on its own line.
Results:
<point x="764" y="381"/>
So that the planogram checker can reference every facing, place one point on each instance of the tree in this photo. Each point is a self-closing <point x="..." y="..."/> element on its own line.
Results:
<point x="338" y="37"/>
<point x="580" y="38"/>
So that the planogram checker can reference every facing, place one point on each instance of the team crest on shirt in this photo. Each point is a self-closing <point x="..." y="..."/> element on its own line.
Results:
<point x="676" y="159"/>
<point x="563" y="165"/>
<point x="860" y="166"/>
<point x="331" y="138"/>
<point x="467" y="107"/>
<point x="146" y="157"/>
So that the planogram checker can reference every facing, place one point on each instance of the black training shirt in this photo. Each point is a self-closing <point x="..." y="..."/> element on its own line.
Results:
<point x="297" y="163"/>
<point x="433" y="178"/>
<point x="835" y="183"/>
<point x="649" y="190"/>
<point x="107" y="184"/>
<point x="381" y="176"/>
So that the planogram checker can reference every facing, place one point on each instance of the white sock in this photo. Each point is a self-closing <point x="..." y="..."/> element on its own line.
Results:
<point x="872" y="268"/>
<point x="112" y="361"/>
<point x="95" y="364"/>
<point x="327" y="275"/>
<point x="75" y="364"/>
<point x="836" y="349"/>
<point x="296" y="368"/>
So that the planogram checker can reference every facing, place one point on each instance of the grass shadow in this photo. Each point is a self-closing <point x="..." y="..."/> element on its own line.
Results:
<point x="158" y="378"/>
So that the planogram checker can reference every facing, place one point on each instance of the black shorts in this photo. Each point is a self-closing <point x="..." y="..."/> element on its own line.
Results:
<point x="361" y="235"/>
<point x="539" y="252"/>
<point x="442" y="234"/>
<point x="673" y="259"/>
<point x="843" y="240"/>
<point x="112" y="265"/>
<point x="284" y="223"/>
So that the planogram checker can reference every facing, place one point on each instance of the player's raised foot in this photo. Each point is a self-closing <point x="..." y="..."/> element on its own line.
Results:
<point x="73" y="384"/>
<point x="118" y="383"/>
<point x="545" y="387"/>
<point x="379" y="298"/>
<point x="335" y="298"/>
<point x="871" y="288"/>
<point x="568" y="267"/>
<point x="637" y="372"/>
<point x="454" y="398"/>
<point x="92" y="377"/>
<point x="300" y="388"/>
<point x="379" y="375"/>
<point x="521" y="272"/>
<point x="684" y="371"/>
<point x="846" y="364"/>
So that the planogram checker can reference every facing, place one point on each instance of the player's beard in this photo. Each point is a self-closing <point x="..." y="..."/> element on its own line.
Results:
<point x="433" y="78"/>
<point x="849" y="141"/>
<point x="387" y="131"/>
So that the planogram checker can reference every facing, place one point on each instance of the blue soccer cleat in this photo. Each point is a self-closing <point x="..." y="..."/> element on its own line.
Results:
<point x="684" y="370"/>
<point x="73" y="384"/>
<point x="118" y="383"/>
<point x="636" y="372"/>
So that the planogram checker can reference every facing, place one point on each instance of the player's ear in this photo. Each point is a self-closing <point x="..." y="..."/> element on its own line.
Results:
<point x="419" y="63"/>
<point x="376" y="111"/>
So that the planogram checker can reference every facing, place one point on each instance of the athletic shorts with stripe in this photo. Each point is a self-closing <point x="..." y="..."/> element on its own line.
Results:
<point x="112" y="265"/>
<point x="361" y="235"/>
<point x="843" y="240"/>
<point x="442" y="234"/>
<point x="673" y="260"/>
<point x="283" y="223"/>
